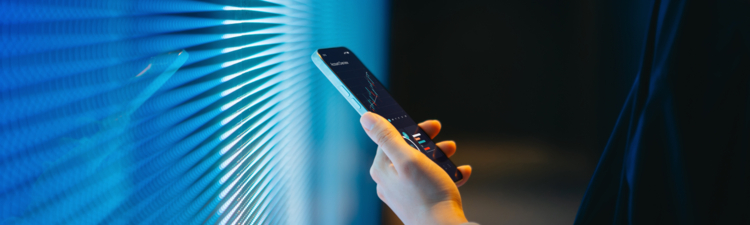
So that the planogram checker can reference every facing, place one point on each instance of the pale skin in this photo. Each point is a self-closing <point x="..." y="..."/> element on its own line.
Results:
<point x="412" y="185"/>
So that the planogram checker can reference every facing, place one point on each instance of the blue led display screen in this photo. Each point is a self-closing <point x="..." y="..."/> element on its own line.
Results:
<point x="182" y="112"/>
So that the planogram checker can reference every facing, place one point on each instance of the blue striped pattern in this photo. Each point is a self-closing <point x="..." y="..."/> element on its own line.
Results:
<point x="181" y="112"/>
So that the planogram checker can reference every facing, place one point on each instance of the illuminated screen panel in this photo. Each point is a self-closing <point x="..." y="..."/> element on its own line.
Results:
<point x="182" y="112"/>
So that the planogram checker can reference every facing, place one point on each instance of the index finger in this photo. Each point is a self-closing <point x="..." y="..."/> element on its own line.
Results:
<point x="431" y="127"/>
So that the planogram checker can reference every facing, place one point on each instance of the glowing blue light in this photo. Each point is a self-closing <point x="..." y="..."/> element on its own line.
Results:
<point x="98" y="127"/>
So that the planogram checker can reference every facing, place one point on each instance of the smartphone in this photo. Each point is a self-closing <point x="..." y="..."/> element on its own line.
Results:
<point x="365" y="93"/>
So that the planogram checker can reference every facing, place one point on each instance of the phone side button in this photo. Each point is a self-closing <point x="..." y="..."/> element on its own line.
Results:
<point x="345" y="92"/>
<point x="355" y="103"/>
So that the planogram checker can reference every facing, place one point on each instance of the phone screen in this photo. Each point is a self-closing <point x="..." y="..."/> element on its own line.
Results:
<point x="373" y="96"/>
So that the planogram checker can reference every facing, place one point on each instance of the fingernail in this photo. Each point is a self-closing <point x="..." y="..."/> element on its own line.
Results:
<point x="368" y="121"/>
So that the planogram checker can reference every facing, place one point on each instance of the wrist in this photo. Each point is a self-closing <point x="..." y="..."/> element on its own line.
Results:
<point x="447" y="213"/>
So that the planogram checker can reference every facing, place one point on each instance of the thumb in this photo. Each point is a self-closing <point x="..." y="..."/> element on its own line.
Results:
<point x="386" y="136"/>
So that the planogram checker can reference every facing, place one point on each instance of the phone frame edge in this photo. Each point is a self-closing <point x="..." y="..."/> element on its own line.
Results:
<point x="343" y="90"/>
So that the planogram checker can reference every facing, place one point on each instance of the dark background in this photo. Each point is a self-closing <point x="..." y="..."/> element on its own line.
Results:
<point x="530" y="90"/>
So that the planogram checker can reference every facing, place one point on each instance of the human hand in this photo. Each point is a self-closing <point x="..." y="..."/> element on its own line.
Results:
<point x="412" y="185"/>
